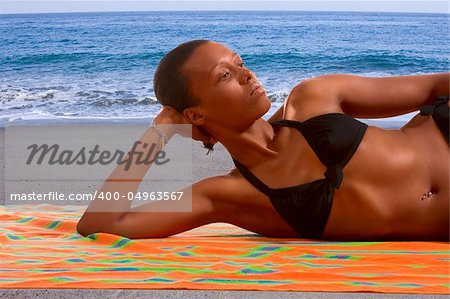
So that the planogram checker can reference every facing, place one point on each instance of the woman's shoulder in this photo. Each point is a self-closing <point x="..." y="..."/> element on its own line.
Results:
<point x="312" y="97"/>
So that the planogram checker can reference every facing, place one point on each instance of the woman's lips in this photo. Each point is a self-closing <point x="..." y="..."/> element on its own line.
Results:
<point x="256" y="88"/>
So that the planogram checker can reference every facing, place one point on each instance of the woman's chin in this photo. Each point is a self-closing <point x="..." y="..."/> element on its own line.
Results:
<point x="265" y="104"/>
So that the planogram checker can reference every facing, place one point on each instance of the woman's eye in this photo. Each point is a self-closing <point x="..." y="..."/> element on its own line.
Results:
<point x="241" y="64"/>
<point x="225" y="75"/>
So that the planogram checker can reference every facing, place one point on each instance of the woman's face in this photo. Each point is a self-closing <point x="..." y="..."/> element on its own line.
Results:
<point x="229" y="92"/>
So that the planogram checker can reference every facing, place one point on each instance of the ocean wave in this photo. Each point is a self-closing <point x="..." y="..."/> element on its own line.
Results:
<point x="77" y="101"/>
<point x="75" y="98"/>
<point x="31" y="59"/>
<point x="277" y="96"/>
<point x="107" y="102"/>
<point x="15" y="98"/>
<point x="354" y="62"/>
<point x="81" y="60"/>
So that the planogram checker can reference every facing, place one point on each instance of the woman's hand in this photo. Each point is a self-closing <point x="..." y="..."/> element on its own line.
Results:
<point x="168" y="115"/>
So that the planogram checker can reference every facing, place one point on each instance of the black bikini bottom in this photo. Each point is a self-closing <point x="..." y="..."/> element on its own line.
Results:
<point x="440" y="112"/>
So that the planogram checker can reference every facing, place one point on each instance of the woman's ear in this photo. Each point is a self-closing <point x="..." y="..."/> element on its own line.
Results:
<point x="194" y="115"/>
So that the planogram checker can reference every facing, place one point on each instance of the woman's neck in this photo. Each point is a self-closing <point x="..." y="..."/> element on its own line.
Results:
<point x="250" y="147"/>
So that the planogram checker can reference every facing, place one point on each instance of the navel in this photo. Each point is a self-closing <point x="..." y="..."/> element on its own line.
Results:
<point x="429" y="194"/>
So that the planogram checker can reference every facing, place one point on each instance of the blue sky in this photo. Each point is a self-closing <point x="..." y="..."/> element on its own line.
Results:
<point x="7" y="6"/>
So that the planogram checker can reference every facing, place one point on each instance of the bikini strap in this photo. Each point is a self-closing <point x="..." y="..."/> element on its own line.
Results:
<point x="333" y="172"/>
<point x="334" y="175"/>
<point x="429" y="109"/>
<point x="253" y="179"/>
<point x="287" y="123"/>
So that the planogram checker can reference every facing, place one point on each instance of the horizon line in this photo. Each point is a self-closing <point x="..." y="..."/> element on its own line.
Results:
<point x="221" y="10"/>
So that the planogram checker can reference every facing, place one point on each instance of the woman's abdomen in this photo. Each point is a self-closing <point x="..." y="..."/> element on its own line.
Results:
<point x="381" y="194"/>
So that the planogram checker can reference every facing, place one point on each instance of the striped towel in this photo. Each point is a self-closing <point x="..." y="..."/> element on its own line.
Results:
<point x="43" y="250"/>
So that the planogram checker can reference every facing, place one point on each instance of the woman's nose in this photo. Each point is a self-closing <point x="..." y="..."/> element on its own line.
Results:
<point x="246" y="75"/>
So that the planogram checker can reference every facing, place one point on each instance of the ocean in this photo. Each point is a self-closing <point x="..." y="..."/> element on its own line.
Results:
<point x="99" y="66"/>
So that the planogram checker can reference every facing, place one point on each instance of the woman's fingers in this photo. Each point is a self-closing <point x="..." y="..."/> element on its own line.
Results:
<point x="168" y="115"/>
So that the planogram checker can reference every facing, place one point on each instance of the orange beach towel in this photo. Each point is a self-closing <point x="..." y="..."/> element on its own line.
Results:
<point x="43" y="250"/>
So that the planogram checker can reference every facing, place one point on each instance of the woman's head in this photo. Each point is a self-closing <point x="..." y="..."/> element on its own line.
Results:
<point x="169" y="83"/>
<point x="207" y="83"/>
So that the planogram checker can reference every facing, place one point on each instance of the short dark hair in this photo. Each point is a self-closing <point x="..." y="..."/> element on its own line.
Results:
<point x="171" y="86"/>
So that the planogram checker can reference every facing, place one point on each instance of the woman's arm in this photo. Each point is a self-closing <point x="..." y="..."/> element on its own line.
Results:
<point x="140" y="222"/>
<point x="116" y="217"/>
<point x="368" y="97"/>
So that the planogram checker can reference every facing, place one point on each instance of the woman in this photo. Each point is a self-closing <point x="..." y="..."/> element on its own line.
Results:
<point x="312" y="170"/>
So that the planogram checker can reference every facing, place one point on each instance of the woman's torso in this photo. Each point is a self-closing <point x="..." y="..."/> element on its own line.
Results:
<point x="385" y="182"/>
<point x="382" y="193"/>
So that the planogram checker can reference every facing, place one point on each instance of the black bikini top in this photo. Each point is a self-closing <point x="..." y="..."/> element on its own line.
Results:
<point x="334" y="137"/>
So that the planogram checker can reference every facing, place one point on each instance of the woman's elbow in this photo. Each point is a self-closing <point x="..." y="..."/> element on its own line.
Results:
<point x="91" y="224"/>
<point x="84" y="229"/>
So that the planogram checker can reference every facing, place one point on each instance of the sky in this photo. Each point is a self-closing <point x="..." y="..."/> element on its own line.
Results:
<point x="19" y="6"/>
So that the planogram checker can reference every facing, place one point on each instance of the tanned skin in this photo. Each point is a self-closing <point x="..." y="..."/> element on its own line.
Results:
<point x="381" y="196"/>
